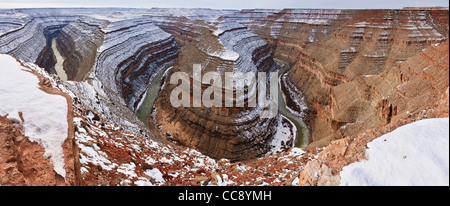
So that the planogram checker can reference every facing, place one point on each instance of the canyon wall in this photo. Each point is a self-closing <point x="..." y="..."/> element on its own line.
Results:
<point x="345" y="62"/>
<point x="78" y="42"/>
<point x="234" y="133"/>
<point x="110" y="55"/>
<point x="422" y="92"/>
<point x="30" y="38"/>
<point x="133" y="50"/>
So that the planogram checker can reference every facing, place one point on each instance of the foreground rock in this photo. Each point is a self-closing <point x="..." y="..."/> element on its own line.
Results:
<point x="420" y="105"/>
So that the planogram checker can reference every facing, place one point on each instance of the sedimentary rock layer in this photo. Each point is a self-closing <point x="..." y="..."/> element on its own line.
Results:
<point x="112" y="53"/>
<point x="335" y="52"/>
<point x="31" y="41"/>
<point x="234" y="133"/>
<point x="78" y="43"/>
<point x="133" y="50"/>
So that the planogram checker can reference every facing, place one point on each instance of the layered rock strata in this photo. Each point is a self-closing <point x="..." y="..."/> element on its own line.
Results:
<point x="78" y="43"/>
<point x="31" y="41"/>
<point x="133" y="50"/>
<point x="335" y="52"/>
<point x="290" y="30"/>
<point x="234" y="133"/>
<point x="111" y="54"/>
<point x="183" y="29"/>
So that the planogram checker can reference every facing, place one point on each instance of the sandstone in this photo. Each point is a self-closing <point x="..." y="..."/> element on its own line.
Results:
<point x="344" y="86"/>
<point x="219" y="131"/>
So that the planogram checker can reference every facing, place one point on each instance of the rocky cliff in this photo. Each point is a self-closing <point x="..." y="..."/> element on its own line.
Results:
<point x="30" y="38"/>
<point x="78" y="43"/>
<point x="234" y="133"/>
<point x="421" y="91"/>
<point x="135" y="49"/>
<point x="335" y="52"/>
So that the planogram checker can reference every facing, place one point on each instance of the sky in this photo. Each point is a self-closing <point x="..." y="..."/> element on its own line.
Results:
<point x="227" y="4"/>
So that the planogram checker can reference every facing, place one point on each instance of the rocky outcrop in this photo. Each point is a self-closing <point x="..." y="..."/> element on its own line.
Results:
<point x="421" y="92"/>
<point x="78" y="43"/>
<point x="29" y="162"/>
<point x="22" y="162"/>
<point x="32" y="41"/>
<point x="332" y="67"/>
<point x="132" y="52"/>
<point x="234" y="133"/>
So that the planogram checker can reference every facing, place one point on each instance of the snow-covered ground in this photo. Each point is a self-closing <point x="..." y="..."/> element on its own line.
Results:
<point x="284" y="138"/>
<point x="44" y="115"/>
<point x="414" y="154"/>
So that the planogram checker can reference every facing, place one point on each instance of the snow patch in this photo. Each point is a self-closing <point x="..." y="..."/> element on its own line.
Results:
<point x="45" y="115"/>
<point x="414" y="154"/>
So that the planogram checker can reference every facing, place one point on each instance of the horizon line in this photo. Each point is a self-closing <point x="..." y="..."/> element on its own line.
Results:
<point x="156" y="7"/>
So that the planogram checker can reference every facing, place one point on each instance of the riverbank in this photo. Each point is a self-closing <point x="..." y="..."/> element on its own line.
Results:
<point x="302" y="130"/>
<point x="146" y="105"/>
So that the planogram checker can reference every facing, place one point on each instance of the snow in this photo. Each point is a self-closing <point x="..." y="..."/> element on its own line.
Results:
<point x="311" y="35"/>
<point x="128" y="169"/>
<point x="225" y="54"/>
<point x="295" y="181"/>
<point x="45" y="115"/>
<point x="223" y="181"/>
<point x="351" y="49"/>
<point x="91" y="155"/>
<point x="414" y="154"/>
<point x="283" y="135"/>
<point x="155" y="174"/>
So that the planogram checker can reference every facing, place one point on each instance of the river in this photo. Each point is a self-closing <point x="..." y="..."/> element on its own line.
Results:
<point x="147" y="103"/>
<point x="146" y="106"/>
<point x="302" y="130"/>
<point x="59" y="62"/>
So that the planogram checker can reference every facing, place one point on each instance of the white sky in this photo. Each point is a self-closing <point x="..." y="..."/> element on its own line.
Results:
<point x="226" y="4"/>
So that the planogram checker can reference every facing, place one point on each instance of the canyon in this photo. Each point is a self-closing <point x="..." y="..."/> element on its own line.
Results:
<point x="346" y="77"/>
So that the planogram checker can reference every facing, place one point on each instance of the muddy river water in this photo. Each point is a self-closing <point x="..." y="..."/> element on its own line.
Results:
<point x="59" y="62"/>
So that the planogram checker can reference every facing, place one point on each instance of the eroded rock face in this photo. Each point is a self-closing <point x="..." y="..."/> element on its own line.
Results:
<point x="78" y="42"/>
<point x="103" y="50"/>
<point x="30" y="39"/>
<point x="220" y="132"/>
<point x="346" y="62"/>
<point x="132" y="52"/>
<point x="22" y="161"/>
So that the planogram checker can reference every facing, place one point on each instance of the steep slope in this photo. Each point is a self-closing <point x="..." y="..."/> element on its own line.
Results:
<point x="36" y="144"/>
<point x="133" y="51"/>
<point x="221" y="132"/>
<point x="78" y="43"/>
<point x="410" y="99"/>
<point x="331" y="67"/>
